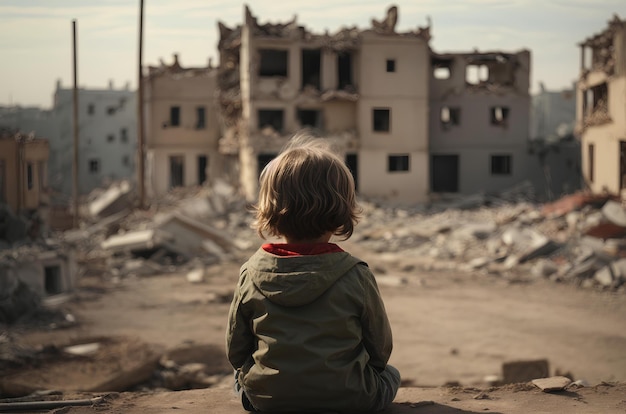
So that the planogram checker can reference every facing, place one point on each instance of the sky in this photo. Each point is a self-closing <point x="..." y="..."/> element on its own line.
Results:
<point x="36" y="35"/>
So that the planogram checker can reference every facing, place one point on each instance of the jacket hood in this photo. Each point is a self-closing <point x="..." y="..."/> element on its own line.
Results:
<point x="297" y="280"/>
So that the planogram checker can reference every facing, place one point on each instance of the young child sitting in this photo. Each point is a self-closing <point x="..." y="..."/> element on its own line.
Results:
<point x="307" y="328"/>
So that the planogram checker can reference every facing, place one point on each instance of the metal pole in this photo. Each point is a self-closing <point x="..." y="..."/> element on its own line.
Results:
<point x="140" y="118"/>
<point x="75" y="171"/>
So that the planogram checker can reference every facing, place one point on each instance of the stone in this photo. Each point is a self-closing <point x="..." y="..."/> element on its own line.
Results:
<point x="552" y="384"/>
<point x="524" y="371"/>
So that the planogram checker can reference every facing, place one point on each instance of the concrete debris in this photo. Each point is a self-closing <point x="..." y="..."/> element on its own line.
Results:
<point x="510" y="236"/>
<point x="552" y="384"/>
<point x="112" y="200"/>
<point x="524" y="371"/>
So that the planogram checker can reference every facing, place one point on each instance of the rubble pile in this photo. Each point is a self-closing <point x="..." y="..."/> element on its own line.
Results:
<point x="185" y="229"/>
<point x="578" y="239"/>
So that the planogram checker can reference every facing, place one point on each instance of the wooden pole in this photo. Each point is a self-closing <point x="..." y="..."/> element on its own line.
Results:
<point x="75" y="171"/>
<point x="140" y="117"/>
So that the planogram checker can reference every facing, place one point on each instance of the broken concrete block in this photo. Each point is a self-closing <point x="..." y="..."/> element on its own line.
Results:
<point x="544" y="268"/>
<point x="611" y="274"/>
<point x="113" y="200"/>
<point x="136" y="240"/>
<point x="524" y="371"/>
<point x="196" y="275"/>
<point x="552" y="384"/>
<point x="604" y="276"/>
<point x="615" y="213"/>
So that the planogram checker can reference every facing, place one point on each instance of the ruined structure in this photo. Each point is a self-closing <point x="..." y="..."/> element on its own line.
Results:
<point x="601" y="114"/>
<point x="366" y="90"/>
<point x="23" y="171"/>
<point x="479" y="120"/>
<point x="389" y="105"/>
<point x="182" y="126"/>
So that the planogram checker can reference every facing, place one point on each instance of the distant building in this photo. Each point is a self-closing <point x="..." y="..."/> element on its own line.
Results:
<point x="107" y="137"/>
<point x="107" y="120"/>
<point x="182" y="127"/>
<point x="479" y="118"/>
<point x="553" y="114"/>
<point x="601" y="113"/>
<point x="554" y="167"/>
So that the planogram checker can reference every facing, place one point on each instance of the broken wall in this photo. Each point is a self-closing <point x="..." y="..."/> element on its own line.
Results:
<point x="479" y="121"/>
<point x="601" y="113"/>
<point x="183" y="127"/>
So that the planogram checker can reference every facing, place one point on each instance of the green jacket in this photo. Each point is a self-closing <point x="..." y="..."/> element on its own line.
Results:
<point x="308" y="333"/>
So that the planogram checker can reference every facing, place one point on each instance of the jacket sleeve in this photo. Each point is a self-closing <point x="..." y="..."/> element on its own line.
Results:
<point x="377" y="336"/>
<point x="239" y="337"/>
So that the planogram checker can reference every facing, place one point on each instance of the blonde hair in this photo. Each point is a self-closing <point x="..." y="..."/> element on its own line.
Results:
<point x="305" y="192"/>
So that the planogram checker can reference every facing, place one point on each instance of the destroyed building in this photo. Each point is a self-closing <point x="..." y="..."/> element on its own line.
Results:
<point x="366" y="90"/>
<point x="601" y="120"/>
<point x="479" y="121"/>
<point x="389" y="103"/>
<point x="23" y="171"/>
<point x="182" y="127"/>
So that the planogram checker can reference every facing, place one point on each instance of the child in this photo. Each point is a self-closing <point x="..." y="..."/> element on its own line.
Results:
<point x="307" y="328"/>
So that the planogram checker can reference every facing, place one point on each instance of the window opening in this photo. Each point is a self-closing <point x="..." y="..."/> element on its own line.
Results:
<point x="177" y="171"/>
<point x="344" y="70"/>
<point x="398" y="163"/>
<point x="475" y="74"/>
<point x="309" y="118"/>
<point x="391" y="65"/>
<point x="590" y="161"/>
<point x="381" y="120"/>
<point x="450" y="116"/>
<point x="501" y="165"/>
<point x="175" y="116"/>
<point x="53" y="280"/>
<point x="272" y="118"/>
<point x="499" y="115"/>
<point x="203" y="162"/>
<point x="311" y="68"/>
<point x="273" y="62"/>
<point x="94" y="165"/>
<point x="200" y="117"/>
<point x="29" y="175"/>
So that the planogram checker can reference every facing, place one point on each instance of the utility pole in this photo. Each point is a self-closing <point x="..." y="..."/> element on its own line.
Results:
<point x="75" y="121"/>
<point x="140" y="123"/>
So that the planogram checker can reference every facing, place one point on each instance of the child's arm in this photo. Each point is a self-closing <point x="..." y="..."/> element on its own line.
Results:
<point x="377" y="336"/>
<point x="239" y="337"/>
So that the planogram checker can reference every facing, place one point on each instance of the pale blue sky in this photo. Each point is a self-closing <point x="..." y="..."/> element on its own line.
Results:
<point x="36" y="35"/>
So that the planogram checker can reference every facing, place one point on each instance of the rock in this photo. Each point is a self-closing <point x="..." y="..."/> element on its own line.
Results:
<point x="552" y="384"/>
<point x="615" y="213"/>
<point x="604" y="276"/>
<point x="524" y="371"/>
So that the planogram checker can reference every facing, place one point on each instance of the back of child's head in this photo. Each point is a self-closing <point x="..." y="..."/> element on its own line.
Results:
<point x="306" y="192"/>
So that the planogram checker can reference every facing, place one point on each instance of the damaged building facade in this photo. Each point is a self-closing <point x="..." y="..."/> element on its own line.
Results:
<point x="182" y="126"/>
<point x="409" y="122"/>
<point x="23" y="171"/>
<point x="601" y="113"/>
<point x="479" y="121"/>
<point x="367" y="91"/>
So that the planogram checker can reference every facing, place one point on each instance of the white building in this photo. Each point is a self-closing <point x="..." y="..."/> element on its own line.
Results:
<point x="107" y="120"/>
<point x="107" y="133"/>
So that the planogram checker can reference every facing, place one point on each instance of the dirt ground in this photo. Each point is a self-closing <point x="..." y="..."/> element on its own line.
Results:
<point x="448" y="328"/>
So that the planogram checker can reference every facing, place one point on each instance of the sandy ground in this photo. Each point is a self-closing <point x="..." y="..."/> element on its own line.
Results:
<point x="448" y="329"/>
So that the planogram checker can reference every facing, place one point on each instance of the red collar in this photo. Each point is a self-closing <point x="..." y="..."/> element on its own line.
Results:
<point x="305" y="249"/>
